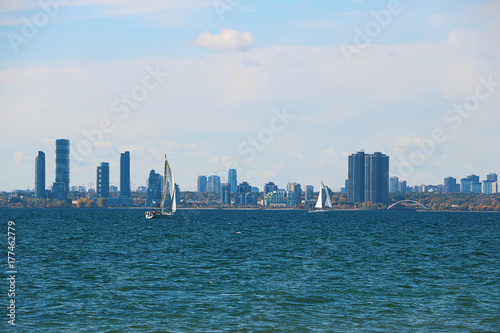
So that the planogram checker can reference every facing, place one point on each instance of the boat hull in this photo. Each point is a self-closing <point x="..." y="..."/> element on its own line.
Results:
<point x="158" y="215"/>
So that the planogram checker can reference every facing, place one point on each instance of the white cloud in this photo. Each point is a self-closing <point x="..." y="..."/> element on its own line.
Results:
<point x="226" y="40"/>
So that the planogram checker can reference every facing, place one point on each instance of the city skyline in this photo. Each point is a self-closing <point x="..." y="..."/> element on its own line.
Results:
<point x="217" y="89"/>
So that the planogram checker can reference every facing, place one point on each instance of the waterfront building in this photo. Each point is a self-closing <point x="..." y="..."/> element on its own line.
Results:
<point x="225" y="194"/>
<point x="488" y="187"/>
<point x="296" y="189"/>
<point x="393" y="184"/>
<point x="232" y="180"/>
<point x="202" y="184"/>
<point x="102" y="182"/>
<point x="213" y="184"/>
<point x="60" y="189"/>
<point x="40" y="175"/>
<point x="465" y="185"/>
<point x="450" y="185"/>
<point x="476" y="187"/>
<point x="275" y="199"/>
<point x="309" y="195"/>
<point x="154" y="190"/>
<point x="356" y="177"/>
<point x="270" y="187"/>
<point x="125" y="191"/>
<point x="492" y="177"/>
<point x="177" y="195"/>
<point x="377" y="178"/>
<point x="403" y="187"/>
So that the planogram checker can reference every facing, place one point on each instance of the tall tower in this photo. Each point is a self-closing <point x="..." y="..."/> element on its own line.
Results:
<point x="125" y="175"/>
<point x="40" y="175"/>
<point x="232" y="180"/>
<point x="356" y="177"/>
<point x="377" y="178"/>
<point x="102" y="183"/>
<point x="202" y="183"/>
<point x="61" y="185"/>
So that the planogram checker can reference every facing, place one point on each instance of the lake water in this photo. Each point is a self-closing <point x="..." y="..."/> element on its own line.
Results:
<point x="106" y="270"/>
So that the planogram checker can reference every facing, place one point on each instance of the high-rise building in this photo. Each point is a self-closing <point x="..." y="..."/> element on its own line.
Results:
<point x="377" y="178"/>
<point x="393" y="184"/>
<point x="492" y="177"/>
<point x="102" y="182"/>
<point x="403" y="187"/>
<point x="309" y="195"/>
<point x="476" y="187"/>
<point x="40" y="175"/>
<point x="232" y="180"/>
<point x="155" y="188"/>
<point x="368" y="178"/>
<point x="202" y="183"/>
<point x="465" y="185"/>
<point x="450" y="185"/>
<point x="474" y="178"/>
<point x="488" y="187"/>
<point x="225" y="192"/>
<point x="60" y="188"/>
<point x="296" y="189"/>
<point x="125" y="191"/>
<point x="270" y="187"/>
<point x="356" y="177"/>
<point x="177" y="195"/>
<point x="241" y="191"/>
<point x="213" y="184"/>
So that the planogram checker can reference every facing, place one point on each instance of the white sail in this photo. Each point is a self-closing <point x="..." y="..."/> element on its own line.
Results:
<point x="328" y="201"/>
<point x="319" y="203"/>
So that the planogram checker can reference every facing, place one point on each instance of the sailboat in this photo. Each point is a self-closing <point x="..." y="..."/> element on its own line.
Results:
<point x="168" y="196"/>
<point x="324" y="203"/>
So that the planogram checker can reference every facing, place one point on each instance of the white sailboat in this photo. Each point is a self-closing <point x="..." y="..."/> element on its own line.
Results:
<point x="168" y="196"/>
<point x="324" y="203"/>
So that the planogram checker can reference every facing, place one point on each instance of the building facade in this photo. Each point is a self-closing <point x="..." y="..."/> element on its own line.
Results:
<point x="356" y="177"/>
<point x="125" y="191"/>
<point x="225" y="198"/>
<point x="202" y="184"/>
<point x="232" y="180"/>
<point x="450" y="185"/>
<point x="102" y="181"/>
<point x="213" y="184"/>
<point x="60" y="188"/>
<point x="40" y="175"/>
<point x="154" y="189"/>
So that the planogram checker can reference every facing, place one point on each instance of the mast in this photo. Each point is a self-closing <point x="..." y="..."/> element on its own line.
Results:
<point x="165" y="184"/>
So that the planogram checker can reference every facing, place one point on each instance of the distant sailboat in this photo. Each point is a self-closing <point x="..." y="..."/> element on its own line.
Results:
<point x="324" y="202"/>
<point x="168" y="195"/>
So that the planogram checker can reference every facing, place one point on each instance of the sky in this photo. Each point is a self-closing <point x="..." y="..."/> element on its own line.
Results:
<point x="282" y="91"/>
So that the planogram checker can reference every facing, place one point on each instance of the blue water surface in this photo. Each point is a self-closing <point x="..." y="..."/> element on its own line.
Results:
<point x="111" y="270"/>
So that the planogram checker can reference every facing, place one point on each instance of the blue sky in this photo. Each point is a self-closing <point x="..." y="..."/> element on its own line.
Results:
<point x="266" y="86"/>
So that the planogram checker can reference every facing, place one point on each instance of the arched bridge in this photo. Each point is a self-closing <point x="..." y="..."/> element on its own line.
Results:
<point x="413" y="202"/>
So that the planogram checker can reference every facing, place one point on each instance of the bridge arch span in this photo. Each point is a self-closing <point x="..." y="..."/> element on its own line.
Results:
<point x="410" y="201"/>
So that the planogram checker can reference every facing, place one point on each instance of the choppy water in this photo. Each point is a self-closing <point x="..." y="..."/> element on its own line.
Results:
<point x="254" y="271"/>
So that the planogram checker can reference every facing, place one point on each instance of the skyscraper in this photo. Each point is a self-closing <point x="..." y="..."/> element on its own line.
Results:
<point x="492" y="177"/>
<point x="393" y="184"/>
<point x="40" y="175"/>
<point x="225" y="194"/>
<point x="356" y="177"/>
<point x="155" y="188"/>
<point x="465" y="185"/>
<point x="125" y="191"/>
<point x="61" y="186"/>
<point x="377" y="178"/>
<point x="213" y="184"/>
<point x="296" y="189"/>
<point x="202" y="183"/>
<point x="450" y="185"/>
<point x="270" y="187"/>
<point x="232" y="180"/>
<point x="102" y="182"/>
